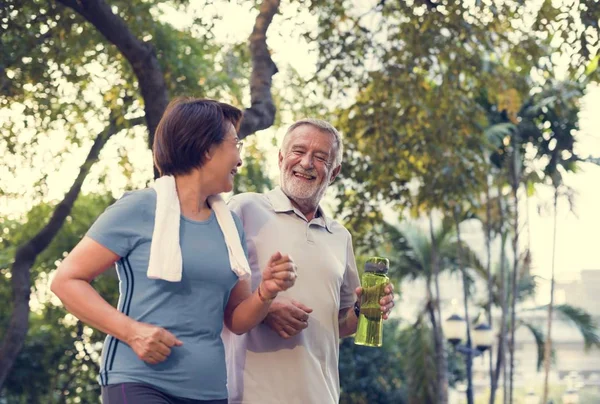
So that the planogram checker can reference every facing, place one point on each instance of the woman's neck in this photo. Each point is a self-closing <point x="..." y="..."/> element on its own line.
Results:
<point x="192" y="196"/>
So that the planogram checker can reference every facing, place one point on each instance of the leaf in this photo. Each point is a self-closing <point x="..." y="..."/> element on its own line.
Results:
<point x="540" y="340"/>
<point x="592" y="66"/>
<point x="583" y="321"/>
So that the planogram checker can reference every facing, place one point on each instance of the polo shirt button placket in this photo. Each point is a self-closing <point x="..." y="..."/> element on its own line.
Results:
<point x="309" y="237"/>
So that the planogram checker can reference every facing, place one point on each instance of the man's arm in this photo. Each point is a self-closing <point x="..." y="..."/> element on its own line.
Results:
<point x="348" y="294"/>
<point x="287" y="317"/>
<point x="347" y="322"/>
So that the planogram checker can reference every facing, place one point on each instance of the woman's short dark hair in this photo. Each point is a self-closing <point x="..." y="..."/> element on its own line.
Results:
<point x="187" y="130"/>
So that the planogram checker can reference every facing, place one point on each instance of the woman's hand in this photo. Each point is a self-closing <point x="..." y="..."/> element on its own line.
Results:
<point x="279" y="275"/>
<point x="150" y="343"/>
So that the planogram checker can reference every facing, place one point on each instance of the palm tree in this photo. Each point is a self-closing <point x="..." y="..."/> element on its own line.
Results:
<point x="546" y="123"/>
<point x="526" y="289"/>
<point x="419" y="255"/>
<point x="548" y="344"/>
<point x="492" y="212"/>
<point x="549" y="120"/>
<point x="461" y="265"/>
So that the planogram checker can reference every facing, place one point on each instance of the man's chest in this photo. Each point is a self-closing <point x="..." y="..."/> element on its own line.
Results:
<point x="320" y="256"/>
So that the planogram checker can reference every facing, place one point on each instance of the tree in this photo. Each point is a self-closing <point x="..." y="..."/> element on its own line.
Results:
<point x="60" y="356"/>
<point x="370" y="375"/>
<point x="401" y="371"/>
<point x="559" y="115"/>
<point x="547" y="122"/>
<point x="126" y="27"/>
<point x="417" y="254"/>
<point x="25" y="257"/>
<point x="253" y="176"/>
<point x="526" y="289"/>
<point x="415" y="71"/>
<point x="420" y="68"/>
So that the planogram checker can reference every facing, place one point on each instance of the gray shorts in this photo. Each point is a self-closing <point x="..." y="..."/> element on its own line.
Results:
<point x="141" y="393"/>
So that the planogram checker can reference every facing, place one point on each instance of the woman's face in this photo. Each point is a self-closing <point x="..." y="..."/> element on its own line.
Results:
<point x="224" y="162"/>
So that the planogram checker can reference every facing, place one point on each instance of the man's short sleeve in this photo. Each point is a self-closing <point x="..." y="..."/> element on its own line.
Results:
<point x="351" y="280"/>
<point x="118" y="227"/>
<point x="240" y="229"/>
<point x="236" y="207"/>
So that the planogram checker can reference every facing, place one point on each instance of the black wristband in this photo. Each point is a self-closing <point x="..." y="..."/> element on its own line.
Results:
<point x="356" y="309"/>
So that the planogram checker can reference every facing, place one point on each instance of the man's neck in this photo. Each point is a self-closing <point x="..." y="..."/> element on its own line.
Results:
<point x="308" y="210"/>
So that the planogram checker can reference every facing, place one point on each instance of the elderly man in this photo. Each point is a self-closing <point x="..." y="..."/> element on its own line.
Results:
<point x="293" y="356"/>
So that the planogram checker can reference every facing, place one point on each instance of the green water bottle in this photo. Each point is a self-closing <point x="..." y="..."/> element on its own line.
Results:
<point x="370" y="325"/>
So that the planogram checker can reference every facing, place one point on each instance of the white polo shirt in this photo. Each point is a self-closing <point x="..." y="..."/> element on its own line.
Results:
<point x="262" y="367"/>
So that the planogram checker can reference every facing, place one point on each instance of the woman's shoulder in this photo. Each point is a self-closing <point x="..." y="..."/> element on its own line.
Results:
<point x="143" y="196"/>
<point x="138" y="201"/>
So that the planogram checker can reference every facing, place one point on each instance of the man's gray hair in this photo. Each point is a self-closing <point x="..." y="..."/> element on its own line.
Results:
<point x="324" y="126"/>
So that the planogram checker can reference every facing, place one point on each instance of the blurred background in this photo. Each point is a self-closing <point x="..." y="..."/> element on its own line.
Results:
<point x="471" y="162"/>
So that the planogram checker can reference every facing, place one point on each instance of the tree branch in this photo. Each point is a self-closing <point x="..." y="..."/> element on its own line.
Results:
<point x="140" y="55"/>
<point x="26" y="254"/>
<point x="261" y="113"/>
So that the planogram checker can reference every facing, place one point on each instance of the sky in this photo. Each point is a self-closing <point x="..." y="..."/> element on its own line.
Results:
<point x="577" y="230"/>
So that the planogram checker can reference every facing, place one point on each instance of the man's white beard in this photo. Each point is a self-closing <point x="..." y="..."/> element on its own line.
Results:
<point x="306" y="195"/>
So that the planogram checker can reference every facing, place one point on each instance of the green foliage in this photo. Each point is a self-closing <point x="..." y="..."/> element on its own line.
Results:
<point x="403" y="370"/>
<point x="253" y="176"/>
<point x="61" y="356"/>
<point x="42" y="34"/>
<point x="422" y="370"/>
<point x="540" y="340"/>
<point x="426" y="75"/>
<point x="59" y="75"/>
<point x="374" y="375"/>
<point x="411" y="252"/>
<point x="581" y="319"/>
<point x="84" y="212"/>
<point x="549" y="122"/>
<point x="60" y="360"/>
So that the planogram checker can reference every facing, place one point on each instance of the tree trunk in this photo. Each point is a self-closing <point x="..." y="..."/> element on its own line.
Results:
<point x="144" y="62"/>
<point x="490" y="286"/>
<point x="261" y="113"/>
<point x="435" y="326"/>
<point x="515" y="179"/>
<point x="25" y="257"/>
<point x="140" y="55"/>
<point x="468" y="354"/>
<point x="548" y="344"/>
<point x="438" y="333"/>
<point x="501" y="353"/>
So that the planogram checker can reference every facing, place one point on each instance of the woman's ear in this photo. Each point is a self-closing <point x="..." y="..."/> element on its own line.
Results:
<point x="208" y="155"/>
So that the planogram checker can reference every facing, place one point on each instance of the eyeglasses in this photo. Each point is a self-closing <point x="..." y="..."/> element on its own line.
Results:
<point x="239" y="145"/>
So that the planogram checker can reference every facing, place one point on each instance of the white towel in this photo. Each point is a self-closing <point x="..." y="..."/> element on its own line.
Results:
<point x="165" y="251"/>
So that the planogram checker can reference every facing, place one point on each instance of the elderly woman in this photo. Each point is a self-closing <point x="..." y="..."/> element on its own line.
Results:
<point x="164" y="339"/>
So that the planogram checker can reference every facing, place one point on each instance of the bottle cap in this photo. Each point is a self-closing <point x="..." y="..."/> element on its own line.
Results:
<point x="377" y="265"/>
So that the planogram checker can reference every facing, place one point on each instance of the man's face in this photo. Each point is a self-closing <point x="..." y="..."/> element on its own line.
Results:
<point x="306" y="165"/>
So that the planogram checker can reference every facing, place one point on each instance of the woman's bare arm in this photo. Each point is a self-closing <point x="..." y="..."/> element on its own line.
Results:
<point x="245" y="310"/>
<point x="72" y="286"/>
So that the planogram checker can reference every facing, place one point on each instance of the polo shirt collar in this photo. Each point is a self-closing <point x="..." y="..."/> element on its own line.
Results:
<point x="282" y="204"/>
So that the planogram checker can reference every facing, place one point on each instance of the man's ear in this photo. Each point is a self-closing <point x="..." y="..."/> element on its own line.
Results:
<point x="335" y="173"/>
<point x="280" y="158"/>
